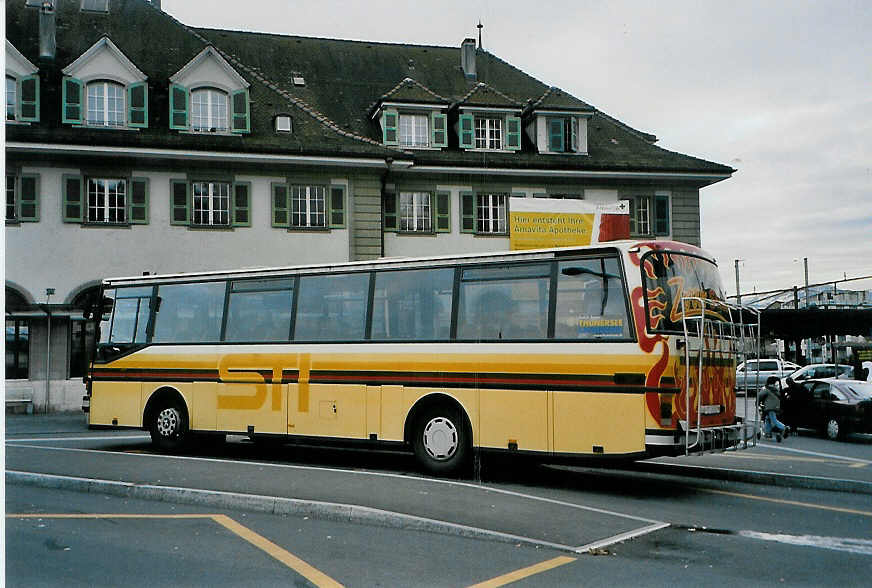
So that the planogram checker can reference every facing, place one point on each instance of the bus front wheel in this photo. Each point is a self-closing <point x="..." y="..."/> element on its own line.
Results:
<point x="440" y="441"/>
<point x="169" y="426"/>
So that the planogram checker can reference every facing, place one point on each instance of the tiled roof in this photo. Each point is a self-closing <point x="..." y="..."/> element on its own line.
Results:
<point x="343" y="80"/>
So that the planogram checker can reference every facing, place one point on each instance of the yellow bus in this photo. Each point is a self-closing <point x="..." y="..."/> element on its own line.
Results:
<point x="624" y="350"/>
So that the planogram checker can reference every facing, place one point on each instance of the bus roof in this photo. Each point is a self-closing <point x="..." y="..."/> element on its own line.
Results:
<point x="408" y="262"/>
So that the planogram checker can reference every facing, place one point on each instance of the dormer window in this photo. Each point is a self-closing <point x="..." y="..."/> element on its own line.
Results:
<point x="414" y="128"/>
<point x="11" y="98"/>
<point x="102" y="88"/>
<point x="490" y="131"/>
<point x="209" y="111"/>
<point x="563" y="134"/>
<point x="22" y="87"/>
<point x="106" y="104"/>
<point x="209" y="96"/>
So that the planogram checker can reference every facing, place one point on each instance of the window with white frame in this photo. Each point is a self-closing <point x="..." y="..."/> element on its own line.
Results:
<point x="649" y="215"/>
<point x="95" y="5"/>
<point x="488" y="132"/>
<point x="10" y="197"/>
<point x="106" y="104"/>
<point x="562" y="134"/>
<point x="11" y="97"/>
<point x="491" y="213"/>
<point x="308" y="206"/>
<point x="414" y="130"/>
<point x="107" y="200"/>
<point x="415" y="211"/>
<point x="209" y="110"/>
<point x="211" y="203"/>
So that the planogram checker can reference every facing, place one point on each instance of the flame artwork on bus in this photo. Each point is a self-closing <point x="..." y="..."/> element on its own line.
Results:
<point x="622" y="350"/>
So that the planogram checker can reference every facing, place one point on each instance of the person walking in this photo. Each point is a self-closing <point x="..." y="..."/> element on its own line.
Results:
<point x="770" y="399"/>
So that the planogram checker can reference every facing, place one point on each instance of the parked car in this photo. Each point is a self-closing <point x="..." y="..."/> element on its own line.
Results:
<point x="817" y="371"/>
<point x="748" y="380"/>
<point x="833" y="406"/>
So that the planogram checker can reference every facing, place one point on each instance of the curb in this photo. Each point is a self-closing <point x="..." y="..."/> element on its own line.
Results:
<point x="329" y="511"/>
<point x="757" y="477"/>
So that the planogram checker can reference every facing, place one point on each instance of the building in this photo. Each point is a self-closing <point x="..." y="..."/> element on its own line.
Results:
<point x="136" y="143"/>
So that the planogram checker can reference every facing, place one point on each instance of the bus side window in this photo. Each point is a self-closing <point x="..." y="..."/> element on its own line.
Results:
<point x="412" y="305"/>
<point x="591" y="302"/>
<point x="332" y="307"/>
<point x="507" y="302"/>
<point x="259" y="310"/>
<point x="189" y="313"/>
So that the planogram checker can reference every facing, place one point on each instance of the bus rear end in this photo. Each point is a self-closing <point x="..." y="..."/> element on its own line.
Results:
<point x="684" y="319"/>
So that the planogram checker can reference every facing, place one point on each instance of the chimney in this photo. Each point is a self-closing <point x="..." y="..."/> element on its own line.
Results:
<point x="467" y="58"/>
<point x="47" y="31"/>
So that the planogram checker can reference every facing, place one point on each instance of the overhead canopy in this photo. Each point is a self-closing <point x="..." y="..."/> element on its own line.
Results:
<point x="803" y="323"/>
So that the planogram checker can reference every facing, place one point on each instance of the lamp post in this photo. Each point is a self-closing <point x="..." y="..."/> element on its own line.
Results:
<point x="738" y="292"/>
<point x="48" y="294"/>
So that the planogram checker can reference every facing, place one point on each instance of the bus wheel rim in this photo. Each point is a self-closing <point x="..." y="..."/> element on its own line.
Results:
<point x="168" y="422"/>
<point x="440" y="438"/>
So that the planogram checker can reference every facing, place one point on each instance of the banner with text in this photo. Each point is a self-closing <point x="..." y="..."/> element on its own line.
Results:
<point x="541" y="223"/>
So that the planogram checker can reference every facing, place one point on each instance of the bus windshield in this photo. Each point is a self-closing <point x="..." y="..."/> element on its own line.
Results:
<point x="667" y="278"/>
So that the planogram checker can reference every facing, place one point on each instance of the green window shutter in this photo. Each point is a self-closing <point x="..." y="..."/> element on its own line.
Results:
<point x="390" y="120"/>
<point x="633" y="226"/>
<point x="28" y="92"/>
<point x="466" y="132"/>
<point x="73" y="194"/>
<point x="179" y="99"/>
<point x="138" y="201"/>
<point x="337" y="207"/>
<point x="513" y="133"/>
<point x="241" y="204"/>
<point x="438" y="130"/>
<point x="137" y="105"/>
<point x="467" y="212"/>
<point x="28" y="201"/>
<point x="241" y="111"/>
<point x="661" y="214"/>
<point x="443" y="212"/>
<point x="280" y="213"/>
<point x="180" y="203"/>
<point x="72" y="91"/>
<point x="555" y="134"/>
<point x="390" y="208"/>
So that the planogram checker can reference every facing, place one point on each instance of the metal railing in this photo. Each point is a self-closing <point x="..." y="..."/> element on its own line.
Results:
<point x="716" y="331"/>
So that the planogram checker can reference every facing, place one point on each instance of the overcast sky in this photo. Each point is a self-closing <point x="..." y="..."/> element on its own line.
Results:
<point x="779" y="90"/>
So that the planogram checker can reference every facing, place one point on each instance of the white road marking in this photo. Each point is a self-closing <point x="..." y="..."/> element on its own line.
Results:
<point x="620" y="537"/>
<point x="817" y="453"/>
<point x="859" y="546"/>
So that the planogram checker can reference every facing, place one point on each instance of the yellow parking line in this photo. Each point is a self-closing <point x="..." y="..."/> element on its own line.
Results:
<point x="298" y="565"/>
<point x="312" y="574"/>
<point x="525" y="572"/>
<point x="864" y="513"/>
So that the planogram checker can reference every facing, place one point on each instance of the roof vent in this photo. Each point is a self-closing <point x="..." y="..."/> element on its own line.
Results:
<point x="467" y="58"/>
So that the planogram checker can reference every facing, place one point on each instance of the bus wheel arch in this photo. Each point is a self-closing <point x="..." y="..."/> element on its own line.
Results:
<point x="439" y="432"/>
<point x="166" y="418"/>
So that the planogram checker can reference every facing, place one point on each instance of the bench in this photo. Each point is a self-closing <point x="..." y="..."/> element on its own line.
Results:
<point x="15" y="403"/>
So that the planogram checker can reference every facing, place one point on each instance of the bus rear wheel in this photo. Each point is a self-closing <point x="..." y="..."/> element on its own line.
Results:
<point x="440" y="440"/>
<point x="169" y="426"/>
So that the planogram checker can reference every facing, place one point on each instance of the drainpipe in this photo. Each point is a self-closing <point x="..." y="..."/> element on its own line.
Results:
<point x="384" y="181"/>
<point x="45" y="309"/>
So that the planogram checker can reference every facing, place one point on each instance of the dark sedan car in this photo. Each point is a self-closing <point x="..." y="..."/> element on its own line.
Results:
<point x="835" y="407"/>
